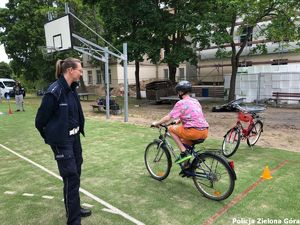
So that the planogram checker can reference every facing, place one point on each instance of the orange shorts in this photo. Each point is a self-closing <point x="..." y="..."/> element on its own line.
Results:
<point x="188" y="134"/>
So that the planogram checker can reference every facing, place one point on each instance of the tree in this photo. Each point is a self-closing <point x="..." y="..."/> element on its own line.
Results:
<point x="5" y="70"/>
<point x="224" y="16"/>
<point x="150" y="26"/>
<point x="22" y="32"/>
<point x="174" y="30"/>
<point x="124" y="23"/>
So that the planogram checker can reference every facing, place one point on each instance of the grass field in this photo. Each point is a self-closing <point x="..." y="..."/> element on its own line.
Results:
<point x="114" y="171"/>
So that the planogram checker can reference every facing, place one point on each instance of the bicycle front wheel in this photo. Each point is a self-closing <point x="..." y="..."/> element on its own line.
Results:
<point x="255" y="133"/>
<point x="213" y="177"/>
<point x="231" y="142"/>
<point x="157" y="160"/>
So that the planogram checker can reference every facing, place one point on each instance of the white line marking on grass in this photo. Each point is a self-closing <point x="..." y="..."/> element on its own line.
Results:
<point x="47" y="197"/>
<point x="94" y="197"/>
<point x="9" y="192"/>
<point x="109" y="210"/>
<point x="87" y="205"/>
<point x="28" y="194"/>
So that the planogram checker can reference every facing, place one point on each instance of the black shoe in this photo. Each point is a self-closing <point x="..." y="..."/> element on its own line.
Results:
<point x="18" y="110"/>
<point x="85" y="212"/>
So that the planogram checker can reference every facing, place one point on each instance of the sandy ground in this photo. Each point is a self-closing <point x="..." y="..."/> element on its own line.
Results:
<point x="281" y="125"/>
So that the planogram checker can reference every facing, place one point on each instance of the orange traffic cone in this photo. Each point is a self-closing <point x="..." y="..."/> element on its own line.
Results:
<point x="9" y="109"/>
<point x="266" y="174"/>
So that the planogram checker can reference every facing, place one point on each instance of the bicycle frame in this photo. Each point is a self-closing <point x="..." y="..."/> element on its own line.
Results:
<point x="244" y="131"/>
<point x="212" y="174"/>
<point x="191" y="149"/>
<point x="250" y="118"/>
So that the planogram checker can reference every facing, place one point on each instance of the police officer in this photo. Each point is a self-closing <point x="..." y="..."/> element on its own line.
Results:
<point x="19" y="94"/>
<point x="60" y="120"/>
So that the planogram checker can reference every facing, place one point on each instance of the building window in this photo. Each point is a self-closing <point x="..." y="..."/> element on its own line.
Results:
<point x="98" y="76"/>
<point x="280" y="62"/>
<point x="247" y="30"/>
<point x="166" y="74"/>
<point x="90" y="77"/>
<point x="103" y="75"/>
<point x="181" y="74"/>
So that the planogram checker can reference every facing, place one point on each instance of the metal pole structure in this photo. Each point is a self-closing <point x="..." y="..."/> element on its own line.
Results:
<point x="107" y="82"/>
<point x="67" y="10"/>
<point x="125" y="83"/>
<point x="258" y="88"/>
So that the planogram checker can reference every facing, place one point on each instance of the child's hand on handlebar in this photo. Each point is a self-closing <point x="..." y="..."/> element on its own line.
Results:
<point x="154" y="124"/>
<point x="177" y="121"/>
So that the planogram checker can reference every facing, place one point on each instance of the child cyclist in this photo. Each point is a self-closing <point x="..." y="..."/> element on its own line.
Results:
<point x="193" y="125"/>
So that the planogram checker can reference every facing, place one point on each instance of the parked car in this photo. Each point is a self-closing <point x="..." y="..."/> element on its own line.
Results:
<point x="6" y="87"/>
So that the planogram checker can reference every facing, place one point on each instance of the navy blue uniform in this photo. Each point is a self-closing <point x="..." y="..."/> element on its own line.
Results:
<point x="60" y="120"/>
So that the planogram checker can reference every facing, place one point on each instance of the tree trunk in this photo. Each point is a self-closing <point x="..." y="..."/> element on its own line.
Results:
<point x="234" y="67"/>
<point x="137" y="80"/>
<point x="172" y="73"/>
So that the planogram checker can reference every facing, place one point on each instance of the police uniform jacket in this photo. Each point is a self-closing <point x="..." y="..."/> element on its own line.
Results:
<point x="60" y="112"/>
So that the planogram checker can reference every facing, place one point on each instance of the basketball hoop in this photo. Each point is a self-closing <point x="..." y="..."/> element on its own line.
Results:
<point x="48" y="52"/>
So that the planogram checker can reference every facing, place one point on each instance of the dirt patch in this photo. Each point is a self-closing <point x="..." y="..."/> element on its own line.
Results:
<point x="281" y="125"/>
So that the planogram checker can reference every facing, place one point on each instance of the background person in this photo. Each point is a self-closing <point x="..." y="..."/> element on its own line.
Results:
<point x="60" y="121"/>
<point x="193" y="123"/>
<point x="19" y="91"/>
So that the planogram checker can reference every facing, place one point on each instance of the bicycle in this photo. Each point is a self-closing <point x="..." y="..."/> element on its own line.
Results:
<point x="251" y="133"/>
<point x="212" y="174"/>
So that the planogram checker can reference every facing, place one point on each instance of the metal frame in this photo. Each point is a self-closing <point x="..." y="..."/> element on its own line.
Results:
<point x="102" y="54"/>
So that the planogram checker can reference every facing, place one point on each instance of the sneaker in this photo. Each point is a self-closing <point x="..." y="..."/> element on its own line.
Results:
<point x="183" y="157"/>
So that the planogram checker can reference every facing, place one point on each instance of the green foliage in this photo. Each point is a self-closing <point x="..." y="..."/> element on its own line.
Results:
<point x="22" y="32"/>
<point x="176" y="31"/>
<point x="125" y="23"/>
<point x="223" y="53"/>
<point x="259" y="49"/>
<point x="5" y="70"/>
<point x="150" y="26"/>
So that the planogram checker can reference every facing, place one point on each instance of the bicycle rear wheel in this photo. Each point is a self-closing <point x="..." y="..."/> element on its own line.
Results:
<point x="157" y="160"/>
<point x="213" y="177"/>
<point x="255" y="133"/>
<point x="231" y="142"/>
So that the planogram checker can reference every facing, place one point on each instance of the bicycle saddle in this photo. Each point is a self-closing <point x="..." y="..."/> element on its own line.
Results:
<point x="198" y="141"/>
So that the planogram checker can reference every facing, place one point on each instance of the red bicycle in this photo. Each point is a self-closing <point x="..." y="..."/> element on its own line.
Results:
<point x="248" y="126"/>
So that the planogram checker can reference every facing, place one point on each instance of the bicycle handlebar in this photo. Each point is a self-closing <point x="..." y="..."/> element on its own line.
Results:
<point x="253" y="113"/>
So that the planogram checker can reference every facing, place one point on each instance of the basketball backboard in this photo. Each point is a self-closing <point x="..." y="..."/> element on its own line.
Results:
<point x="58" y="34"/>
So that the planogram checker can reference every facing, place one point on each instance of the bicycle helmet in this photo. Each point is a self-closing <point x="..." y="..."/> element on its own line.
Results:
<point x="184" y="86"/>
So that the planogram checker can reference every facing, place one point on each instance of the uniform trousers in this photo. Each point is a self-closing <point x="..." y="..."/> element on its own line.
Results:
<point x="19" y="102"/>
<point x="69" y="160"/>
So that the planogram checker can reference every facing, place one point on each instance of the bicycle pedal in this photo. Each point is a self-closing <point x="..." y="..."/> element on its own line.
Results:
<point x="184" y="173"/>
